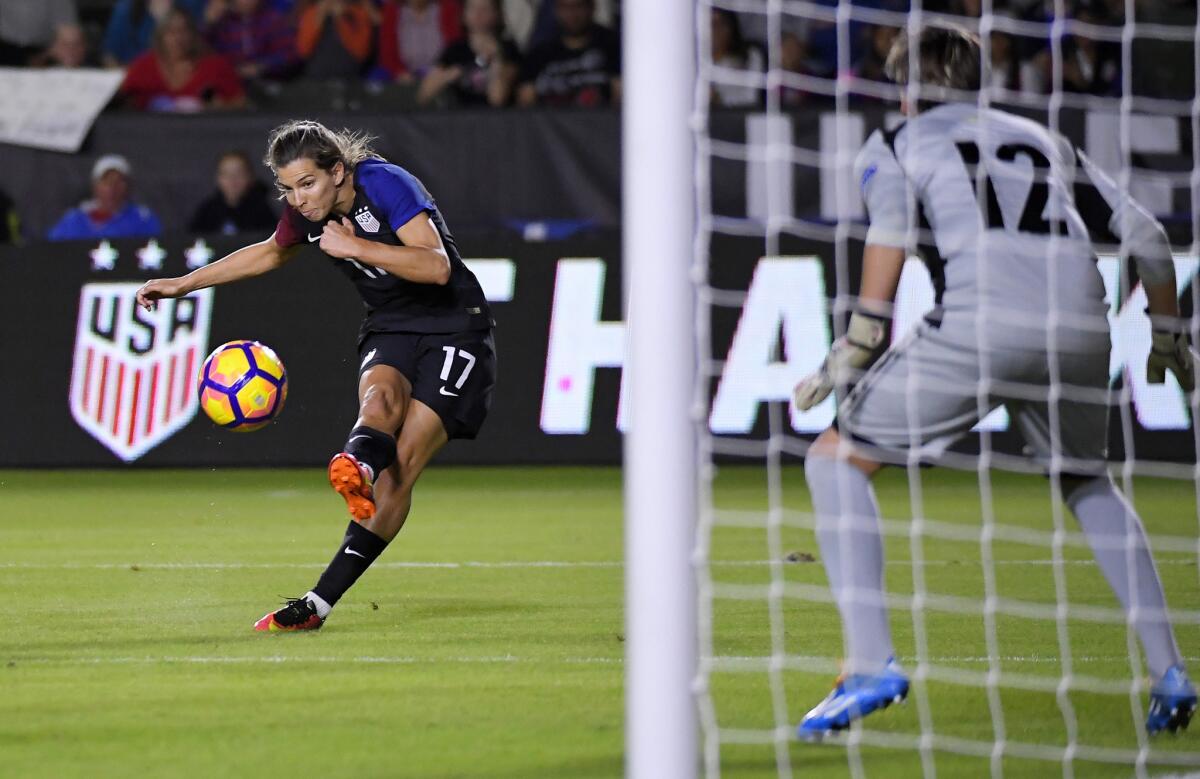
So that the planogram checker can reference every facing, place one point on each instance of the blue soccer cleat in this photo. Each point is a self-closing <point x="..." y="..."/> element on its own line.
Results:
<point x="853" y="697"/>
<point x="1172" y="702"/>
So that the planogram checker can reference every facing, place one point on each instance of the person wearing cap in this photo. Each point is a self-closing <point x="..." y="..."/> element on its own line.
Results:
<point x="109" y="213"/>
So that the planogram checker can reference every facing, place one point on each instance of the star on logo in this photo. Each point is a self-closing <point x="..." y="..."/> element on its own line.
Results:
<point x="104" y="256"/>
<point x="198" y="254"/>
<point x="151" y="256"/>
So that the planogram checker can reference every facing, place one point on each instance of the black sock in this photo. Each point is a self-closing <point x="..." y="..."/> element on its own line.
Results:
<point x="359" y="549"/>
<point x="372" y="447"/>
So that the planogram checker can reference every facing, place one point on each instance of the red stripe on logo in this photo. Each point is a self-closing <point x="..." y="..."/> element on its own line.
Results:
<point x="87" y="378"/>
<point x="188" y="376"/>
<point x="170" y="390"/>
<point x="117" y="405"/>
<point x="103" y="389"/>
<point x="153" y="396"/>
<point x="133" y="408"/>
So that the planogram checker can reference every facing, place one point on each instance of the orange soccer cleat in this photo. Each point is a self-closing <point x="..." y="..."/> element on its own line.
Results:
<point x="352" y="480"/>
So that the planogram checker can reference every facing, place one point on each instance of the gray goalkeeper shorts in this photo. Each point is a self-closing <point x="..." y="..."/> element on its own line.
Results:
<point x="927" y="391"/>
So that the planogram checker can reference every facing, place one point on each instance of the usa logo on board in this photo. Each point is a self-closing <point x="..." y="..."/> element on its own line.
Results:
<point x="133" y="376"/>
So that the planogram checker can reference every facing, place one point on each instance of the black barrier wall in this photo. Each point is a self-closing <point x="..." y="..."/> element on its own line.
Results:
<point x="61" y="301"/>
<point x="489" y="169"/>
<point x="65" y="309"/>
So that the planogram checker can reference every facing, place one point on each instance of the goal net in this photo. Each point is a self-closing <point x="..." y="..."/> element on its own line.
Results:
<point x="1022" y="662"/>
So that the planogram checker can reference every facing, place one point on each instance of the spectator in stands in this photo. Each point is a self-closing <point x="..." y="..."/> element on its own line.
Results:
<point x="27" y="27"/>
<point x="110" y="213"/>
<point x="823" y="39"/>
<point x="793" y="58"/>
<point x="133" y="23"/>
<point x="1006" y="68"/>
<point x="178" y="75"/>
<point x="241" y="203"/>
<point x="870" y="67"/>
<point x="1089" y="66"/>
<point x="731" y="51"/>
<point x="335" y="37"/>
<point x="414" y="33"/>
<point x="581" y="67"/>
<point x="257" y="38"/>
<point x="69" y="49"/>
<point x="544" y="26"/>
<point x="481" y="66"/>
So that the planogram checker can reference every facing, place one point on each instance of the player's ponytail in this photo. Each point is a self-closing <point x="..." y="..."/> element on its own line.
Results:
<point x="306" y="139"/>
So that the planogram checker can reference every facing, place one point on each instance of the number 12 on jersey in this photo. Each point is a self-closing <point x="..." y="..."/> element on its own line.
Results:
<point x="1033" y="219"/>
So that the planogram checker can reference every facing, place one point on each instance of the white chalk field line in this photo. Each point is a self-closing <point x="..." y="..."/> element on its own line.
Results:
<point x="507" y="659"/>
<point x="518" y="564"/>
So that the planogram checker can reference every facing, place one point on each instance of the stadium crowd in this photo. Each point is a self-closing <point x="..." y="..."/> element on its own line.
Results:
<point x="211" y="55"/>
<point x="195" y="55"/>
<point x="190" y="55"/>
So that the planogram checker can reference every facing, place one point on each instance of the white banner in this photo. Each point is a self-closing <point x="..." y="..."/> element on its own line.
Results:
<point x="53" y="108"/>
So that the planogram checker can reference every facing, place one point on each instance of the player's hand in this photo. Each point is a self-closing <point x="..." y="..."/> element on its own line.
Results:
<point x="848" y="356"/>
<point x="157" y="289"/>
<point x="338" y="240"/>
<point x="1169" y="351"/>
<point x="815" y="387"/>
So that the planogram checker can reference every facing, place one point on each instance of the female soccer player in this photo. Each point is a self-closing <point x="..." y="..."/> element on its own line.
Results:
<point x="427" y="361"/>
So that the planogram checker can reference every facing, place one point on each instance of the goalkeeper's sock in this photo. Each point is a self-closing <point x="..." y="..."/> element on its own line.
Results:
<point x="373" y="448"/>
<point x="852" y="551"/>
<point x="1117" y="538"/>
<point x="358" y="550"/>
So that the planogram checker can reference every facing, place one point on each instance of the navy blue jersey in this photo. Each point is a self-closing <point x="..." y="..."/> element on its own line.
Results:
<point x="386" y="197"/>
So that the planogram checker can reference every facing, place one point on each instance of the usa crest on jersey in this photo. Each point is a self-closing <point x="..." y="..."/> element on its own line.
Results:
<point x="366" y="220"/>
<point x="133" y="375"/>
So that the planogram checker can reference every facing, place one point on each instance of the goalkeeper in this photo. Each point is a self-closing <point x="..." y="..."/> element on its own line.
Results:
<point x="1019" y="320"/>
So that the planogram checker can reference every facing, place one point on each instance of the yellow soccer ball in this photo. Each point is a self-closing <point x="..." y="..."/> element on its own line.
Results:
<point x="242" y="385"/>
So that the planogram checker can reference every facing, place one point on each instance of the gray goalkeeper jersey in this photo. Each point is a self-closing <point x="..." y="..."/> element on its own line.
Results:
<point x="991" y="201"/>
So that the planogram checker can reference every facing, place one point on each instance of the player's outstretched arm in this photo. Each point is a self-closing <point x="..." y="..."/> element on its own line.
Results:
<point x="253" y="260"/>
<point x="1144" y="239"/>
<point x="858" y="348"/>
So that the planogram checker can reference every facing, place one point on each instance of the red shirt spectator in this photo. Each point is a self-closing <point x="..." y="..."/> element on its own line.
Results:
<point x="444" y="19"/>
<point x="175" y="75"/>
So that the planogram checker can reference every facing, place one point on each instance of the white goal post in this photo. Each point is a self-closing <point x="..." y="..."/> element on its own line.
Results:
<point x="664" y="410"/>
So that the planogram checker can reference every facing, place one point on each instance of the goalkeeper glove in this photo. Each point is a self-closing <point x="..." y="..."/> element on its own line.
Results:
<point x="1169" y="351"/>
<point x="848" y="356"/>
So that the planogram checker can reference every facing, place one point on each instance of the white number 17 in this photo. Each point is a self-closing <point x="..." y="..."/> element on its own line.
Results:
<point x="448" y="365"/>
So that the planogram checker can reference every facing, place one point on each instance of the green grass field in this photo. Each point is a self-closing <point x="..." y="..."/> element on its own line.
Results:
<point x="488" y="640"/>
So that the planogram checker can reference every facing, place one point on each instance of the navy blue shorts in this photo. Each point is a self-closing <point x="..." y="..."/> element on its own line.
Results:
<point x="452" y="373"/>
